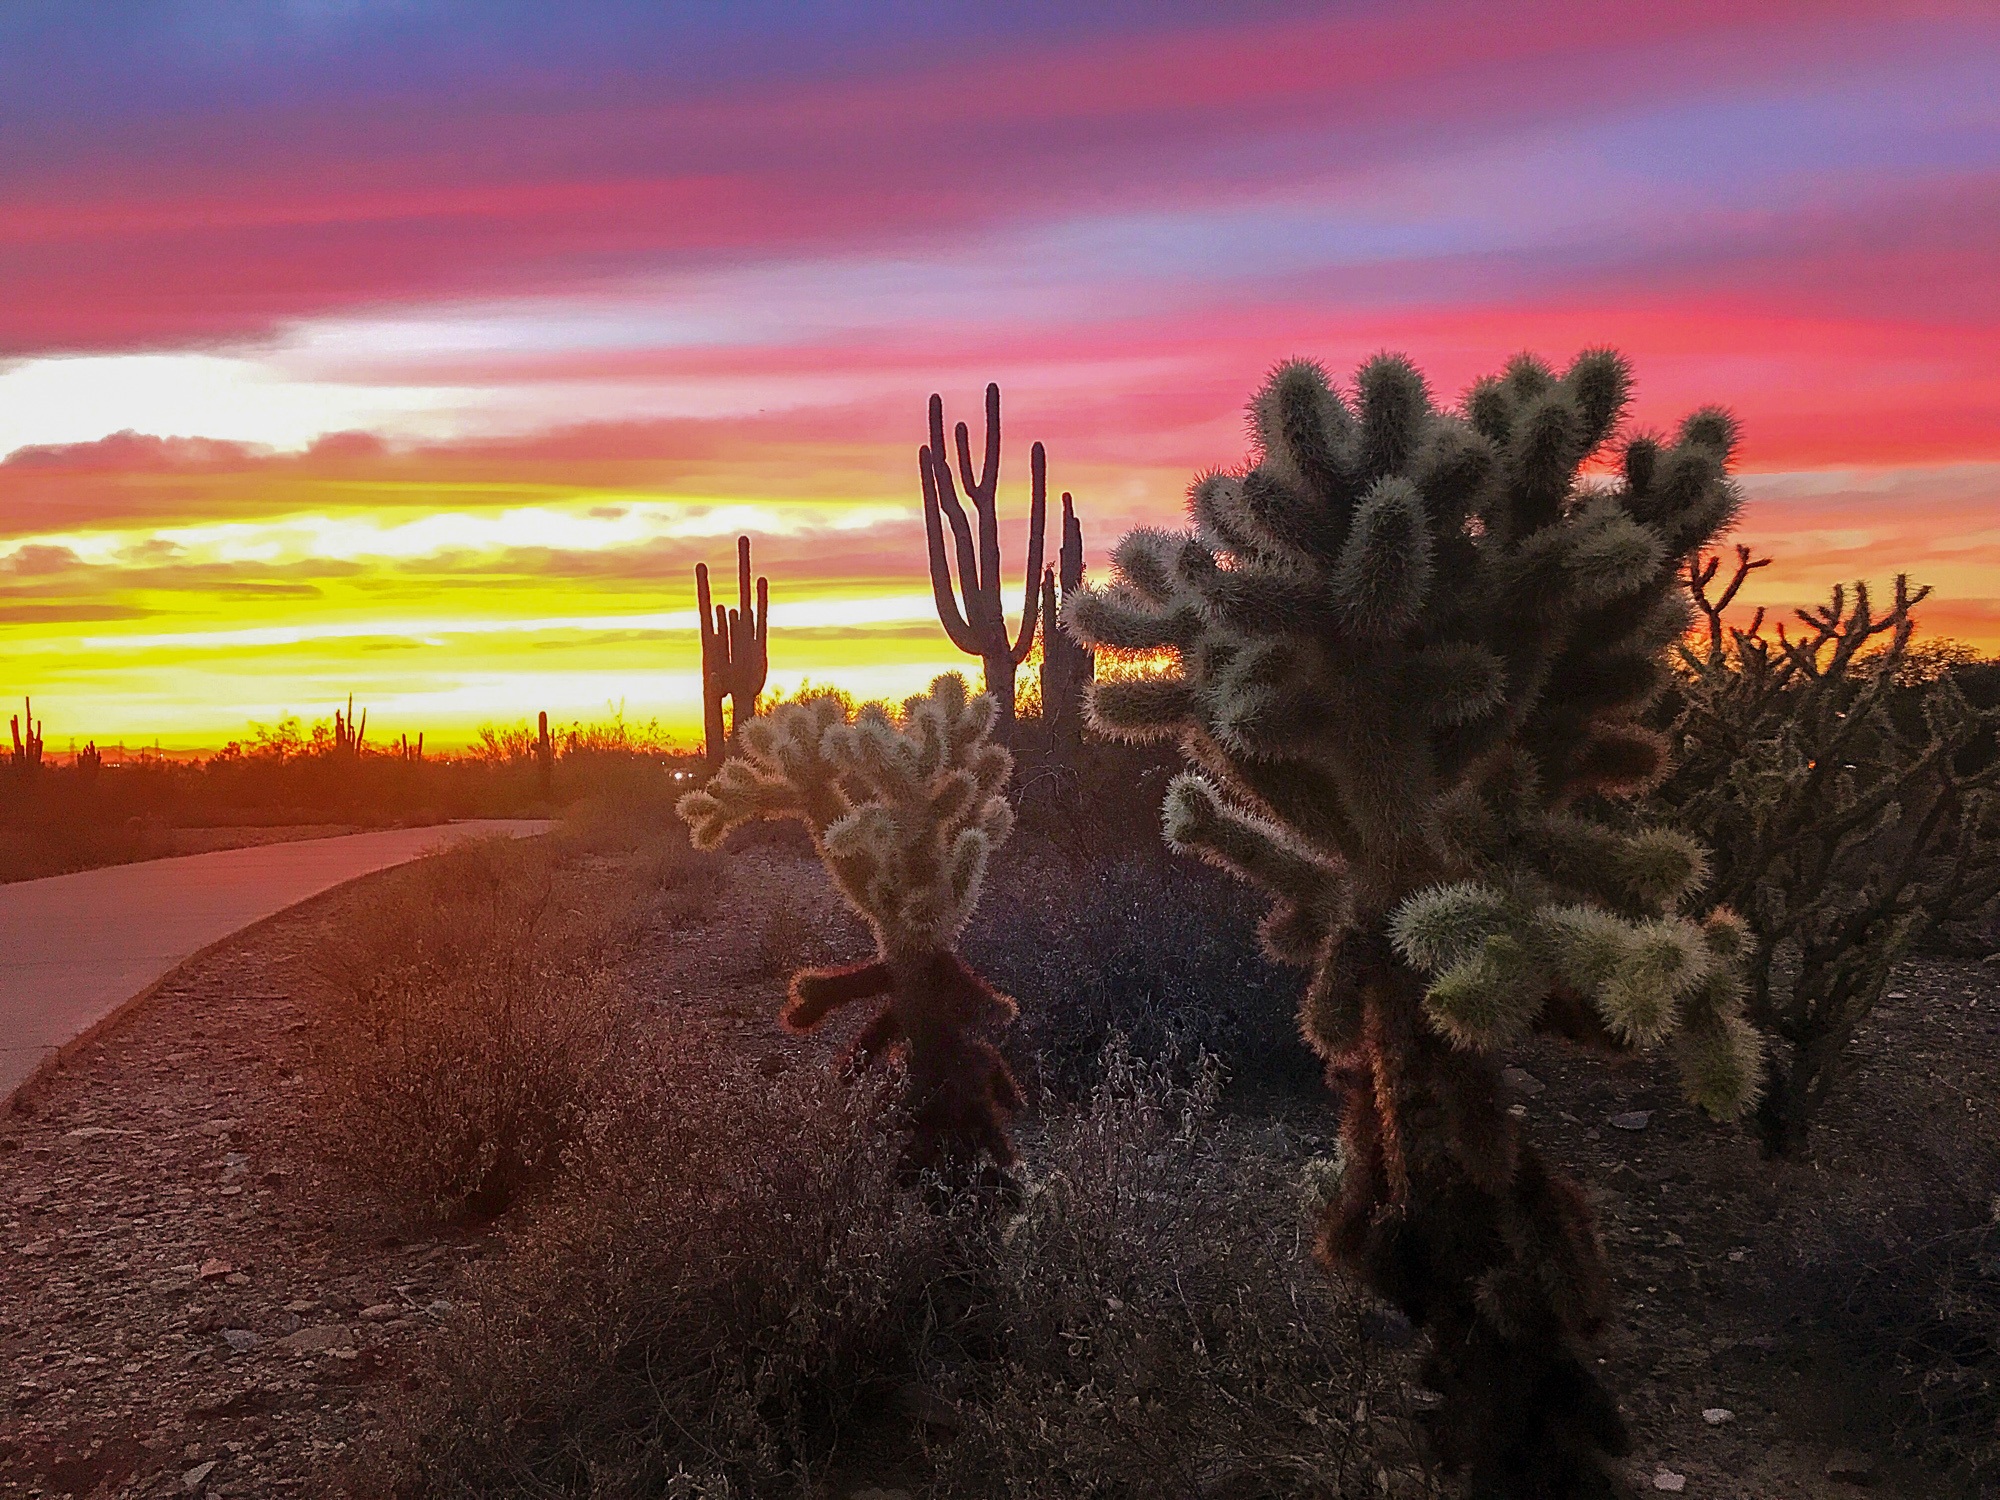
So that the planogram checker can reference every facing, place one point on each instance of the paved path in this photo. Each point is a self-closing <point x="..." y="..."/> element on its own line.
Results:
<point x="73" y="948"/>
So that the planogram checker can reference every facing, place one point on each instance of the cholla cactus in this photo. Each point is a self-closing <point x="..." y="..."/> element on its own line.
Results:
<point x="1408" y="650"/>
<point x="905" y="814"/>
<point x="1850" y="812"/>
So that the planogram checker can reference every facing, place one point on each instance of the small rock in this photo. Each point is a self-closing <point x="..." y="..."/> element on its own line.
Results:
<point x="1738" y="1255"/>
<point x="1632" y="1119"/>
<point x="302" y="1305"/>
<point x="1670" y="1482"/>
<point x="195" y="1478"/>
<point x="1521" y="1081"/>
<point x="1518" y="1111"/>
<point x="242" y="1340"/>
<point x="216" y="1127"/>
<point x="236" y="1278"/>
<point x="92" y="1132"/>
<point x="1715" y="1416"/>
<point x="214" y="1270"/>
<point x="1897" y="995"/>
<point x="1849" y="1467"/>
<point x="439" y="1308"/>
<point x="1991" y="958"/>
<point x="380" y="1312"/>
<point x="319" y="1337"/>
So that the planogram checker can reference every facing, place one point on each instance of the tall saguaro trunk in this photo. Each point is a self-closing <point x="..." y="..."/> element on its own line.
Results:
<point x="735" y="655"/>
<point x="1067" y="664"/>
<point x="980" y="627"/>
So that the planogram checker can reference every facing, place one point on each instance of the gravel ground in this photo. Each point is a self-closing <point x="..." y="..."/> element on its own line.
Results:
<point x="187" y="1307"/>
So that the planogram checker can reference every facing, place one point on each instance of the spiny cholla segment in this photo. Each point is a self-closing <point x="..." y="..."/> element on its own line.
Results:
<point x="1405" y="644"/>
<point x="905" y="813"/>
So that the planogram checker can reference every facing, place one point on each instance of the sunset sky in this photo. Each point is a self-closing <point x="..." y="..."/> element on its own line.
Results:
<point x="419" y="350"/>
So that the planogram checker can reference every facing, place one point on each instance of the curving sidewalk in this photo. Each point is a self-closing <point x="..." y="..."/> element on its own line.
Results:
<point x="74" y="949"/>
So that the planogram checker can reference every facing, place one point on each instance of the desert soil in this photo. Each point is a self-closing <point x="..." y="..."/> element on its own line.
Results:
<point x="187" y="1306"/>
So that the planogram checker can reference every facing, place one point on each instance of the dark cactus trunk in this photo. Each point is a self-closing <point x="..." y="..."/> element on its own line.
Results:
<point x="960" y="1093"/>
<point x="1448" y="1213"/>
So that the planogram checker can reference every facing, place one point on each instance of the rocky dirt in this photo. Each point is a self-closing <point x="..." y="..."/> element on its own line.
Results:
<point x="187" y="1307"/>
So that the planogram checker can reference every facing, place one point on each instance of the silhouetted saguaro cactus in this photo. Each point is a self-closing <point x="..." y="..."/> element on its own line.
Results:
<point x="1409" y="650"/>
<point x="545" y="755"/>
<point x="735" y="654"/>
<point x="348" y="732"/>
<point x="905" y="813"/>
<point x="28" y="745"/>
<point x="1067" y="664"/>
<point x="980" y="629"/>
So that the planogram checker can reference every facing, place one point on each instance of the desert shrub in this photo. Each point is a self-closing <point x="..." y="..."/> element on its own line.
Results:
<point x="729" y="1292"/>
<point x="1093" y="801"/>
<point x="1924" y="1327"/>
<point x="1836" y="785"/>
<point x="471" y="1023"/>
<point x="1164" y="1335"/>
<point x="681" y="883"/>
<point x="726" y="1285"/>
<point x="1162" y="954"/>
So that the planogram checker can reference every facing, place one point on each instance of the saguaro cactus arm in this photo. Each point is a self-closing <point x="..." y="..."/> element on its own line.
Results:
<point x="979" y="628"/>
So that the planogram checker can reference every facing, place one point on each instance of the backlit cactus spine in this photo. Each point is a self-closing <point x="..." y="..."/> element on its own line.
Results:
<point x="1408" y="650"/>
<point x="905" y="812"/>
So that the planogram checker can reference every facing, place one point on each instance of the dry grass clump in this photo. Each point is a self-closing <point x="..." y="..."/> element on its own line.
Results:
<point x="729" y="1296"/>
<point x="726" y="1283"/>
<point x="1924" y="1325"/>
<point x="1165" y="1334"/>
<point x="471" y="1020"/>
<point x="1164" y="955"/>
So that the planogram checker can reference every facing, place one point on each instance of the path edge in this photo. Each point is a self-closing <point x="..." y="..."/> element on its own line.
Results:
<point x="45" y="1071"/>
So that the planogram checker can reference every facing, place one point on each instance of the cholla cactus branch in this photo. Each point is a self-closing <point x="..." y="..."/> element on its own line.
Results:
<point x="1408" y="650"/>
<point x="905" y="811"/>
<point x="980" y="628"/>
